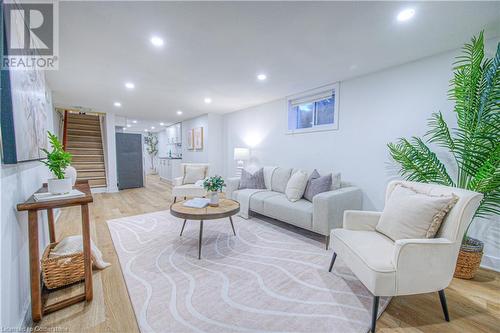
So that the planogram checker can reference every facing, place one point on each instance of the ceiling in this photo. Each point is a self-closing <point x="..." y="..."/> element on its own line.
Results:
<point x="216" y="50"/>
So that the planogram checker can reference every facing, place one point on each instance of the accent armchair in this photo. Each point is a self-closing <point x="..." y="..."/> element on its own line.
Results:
<point x="404" y="266"/>
<point x="194" y="186"/>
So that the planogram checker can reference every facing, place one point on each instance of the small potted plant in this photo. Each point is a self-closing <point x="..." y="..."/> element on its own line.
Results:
<point x="213" y="185"/>
<point x="57" y="161"/>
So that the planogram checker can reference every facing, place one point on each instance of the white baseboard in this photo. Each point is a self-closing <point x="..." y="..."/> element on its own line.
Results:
<point x="491" y="262"/>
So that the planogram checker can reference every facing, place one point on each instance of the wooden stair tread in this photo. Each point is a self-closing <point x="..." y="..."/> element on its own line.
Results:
<point x="91" y="177"/>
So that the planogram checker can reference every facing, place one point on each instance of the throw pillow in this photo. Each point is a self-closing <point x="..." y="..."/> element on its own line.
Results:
<point x="193" y="173"/>
<point x="280" y="179"/>
<point x="336" y="181"/>
<point x="296" y="186"/>
<point x="317" y="184"/>
<point x="411" y="214"/>
<point x="253" y="181"/>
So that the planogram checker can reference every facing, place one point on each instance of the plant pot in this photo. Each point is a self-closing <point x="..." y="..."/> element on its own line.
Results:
<point x="59" y="186"/>
<point x="214" y="199"/>
<point x="469" y="258"/>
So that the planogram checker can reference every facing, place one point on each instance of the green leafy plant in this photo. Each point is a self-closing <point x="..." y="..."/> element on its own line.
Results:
<point x="214" y="184"/>
<point x="475" y="144"/>
<point x="151" y="141"/>
<point x="57" y="159"/>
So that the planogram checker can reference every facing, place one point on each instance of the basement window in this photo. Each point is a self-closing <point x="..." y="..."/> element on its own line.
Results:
<point x="315" y="110"/>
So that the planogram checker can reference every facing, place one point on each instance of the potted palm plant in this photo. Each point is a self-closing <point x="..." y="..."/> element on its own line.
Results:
<point x="57" y="161"/>
<point x="152" y="149"/>
<point x="214" y="185"/>
<point x="474" y="145"/>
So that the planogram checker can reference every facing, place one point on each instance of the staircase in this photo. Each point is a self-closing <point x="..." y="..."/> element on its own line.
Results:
<point x="82" y="138"/>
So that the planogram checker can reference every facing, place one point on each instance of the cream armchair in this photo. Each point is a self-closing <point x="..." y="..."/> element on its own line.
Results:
<point x="407" y="266"/>
<point x="195" y="186"/>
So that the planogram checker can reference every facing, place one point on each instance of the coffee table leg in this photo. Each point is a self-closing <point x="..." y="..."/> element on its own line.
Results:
<point x="232" y="225"/>
<point x="183" y="225"/>
<point x="199" y="240"/>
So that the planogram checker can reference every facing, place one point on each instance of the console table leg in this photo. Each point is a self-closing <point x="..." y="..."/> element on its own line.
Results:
<point x="87" y="262"/>
<point x="52" y="230"/>
<point x="199" y="240"/>
<point x="36" y="293"/>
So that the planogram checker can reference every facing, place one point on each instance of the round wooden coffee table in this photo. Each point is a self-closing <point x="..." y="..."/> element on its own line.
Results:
<point x="226" y="208"/>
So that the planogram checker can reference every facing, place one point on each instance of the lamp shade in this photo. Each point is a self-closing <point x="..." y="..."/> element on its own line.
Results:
<point x="241" y="154"/>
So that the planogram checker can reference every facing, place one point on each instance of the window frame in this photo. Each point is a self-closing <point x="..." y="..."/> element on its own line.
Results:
<point x="334" y="88"/>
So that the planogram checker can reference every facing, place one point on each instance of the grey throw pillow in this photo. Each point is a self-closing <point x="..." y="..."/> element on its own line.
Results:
<point x="253" y="181"/>
<point x="317" y="184"/>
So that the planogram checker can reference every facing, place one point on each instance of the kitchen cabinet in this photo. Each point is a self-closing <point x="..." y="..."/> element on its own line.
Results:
<point x="169" y="168"/>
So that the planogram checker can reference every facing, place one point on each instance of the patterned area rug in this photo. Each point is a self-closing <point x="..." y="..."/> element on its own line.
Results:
<point x="265" y="279"/>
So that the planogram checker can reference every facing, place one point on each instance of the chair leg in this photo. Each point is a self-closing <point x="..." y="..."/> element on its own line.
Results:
<point x="374" y="313"/>
<point x="333" y="261"/>
<point x="327" y="241"/>
<point x="442" y="298"/>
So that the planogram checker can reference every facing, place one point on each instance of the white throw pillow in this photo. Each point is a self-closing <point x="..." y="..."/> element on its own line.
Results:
<point x="280" y="179"/>
<point x="193" y="173"/>
<point x="296" y="185"/>
<point x="410" y="214"/>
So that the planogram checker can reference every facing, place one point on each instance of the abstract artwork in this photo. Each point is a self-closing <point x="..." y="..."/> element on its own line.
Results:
<point x="25" y="118"/>
<point x="198" y="138"/>
<point x="190" y="141"/>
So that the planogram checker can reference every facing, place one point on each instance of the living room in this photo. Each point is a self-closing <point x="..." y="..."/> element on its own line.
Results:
<point x="251" y="166"/>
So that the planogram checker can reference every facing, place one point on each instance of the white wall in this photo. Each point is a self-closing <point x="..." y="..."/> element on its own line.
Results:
<point x="373" y="110"/>
<point x="199" y="155"/>
<point x="18" y="182"/>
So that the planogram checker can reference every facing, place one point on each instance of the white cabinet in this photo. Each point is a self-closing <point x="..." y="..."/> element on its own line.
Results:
<point x="169" y="169"/>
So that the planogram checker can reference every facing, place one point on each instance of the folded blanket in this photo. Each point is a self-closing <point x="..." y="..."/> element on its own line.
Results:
<point x="73" y="244"/>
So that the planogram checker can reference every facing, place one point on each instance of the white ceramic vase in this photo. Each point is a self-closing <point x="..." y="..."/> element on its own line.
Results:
<point x="214" y="199"/>
<point x="59" y="186"/>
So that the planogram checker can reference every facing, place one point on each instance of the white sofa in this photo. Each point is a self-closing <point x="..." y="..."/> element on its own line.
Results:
<point x="323" y="214"/>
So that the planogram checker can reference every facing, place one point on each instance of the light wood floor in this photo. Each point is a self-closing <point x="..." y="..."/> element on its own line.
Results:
<point x="474" y="305"/>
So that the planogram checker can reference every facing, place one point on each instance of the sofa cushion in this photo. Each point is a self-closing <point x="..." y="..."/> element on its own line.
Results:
<point x="298" y="213"/>
<point x="254" y="181"/>
<point x="193" y="173"/>
<point x="369" y="254"/>
<point x="268" y="175"/>
<point x="296" y="186"/>
<point x="257" y="200"/>
<point x="411" y="214"/>
<point x="280" y="179"/>
<point x="317" y="185"/>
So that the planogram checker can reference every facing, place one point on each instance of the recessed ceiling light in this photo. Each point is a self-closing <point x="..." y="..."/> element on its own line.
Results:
<point x="145" y="130"/>
<point x="406" y="14"/>
<point x="156" y="41"/>
<point x="161" y="124"/>
<point x="117" y="104"/>
<point x="134" y="121"/>
<point x="128" y="125"/>
<point x="179" y="112"/>
<point x="152" y="127"/>
<point x="261" y="77"/>
<point x="124" y="128"/>
<point x="129" y="85"/>
<point x="207" y="100"/>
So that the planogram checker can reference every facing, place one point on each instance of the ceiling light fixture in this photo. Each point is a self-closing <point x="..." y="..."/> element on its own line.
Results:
<point x="179" y="112"/>
<point x="117" y="104"/>
<point x="129" y="85"/>
<point x="145" y="130"/>
<point x="152" y="127"/>
<point x="207" y="100"/>
<point x="156" y="41"/>
<point x="406" y="14"/>
<point x="261" y="77"/>
<point x="161" y="124"/>
<point x="134" y="121"/>
<point x="128" y="125"/>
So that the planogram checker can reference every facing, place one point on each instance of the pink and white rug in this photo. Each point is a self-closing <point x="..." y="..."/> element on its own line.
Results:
<point x="265" y="279"/>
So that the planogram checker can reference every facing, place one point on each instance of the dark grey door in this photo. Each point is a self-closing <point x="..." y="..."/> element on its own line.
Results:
<point x="129" y="160"/>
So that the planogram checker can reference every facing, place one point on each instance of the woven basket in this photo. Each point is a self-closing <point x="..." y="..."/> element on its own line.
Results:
<point x="469" y="258"/>
<point x="63" y="270"/>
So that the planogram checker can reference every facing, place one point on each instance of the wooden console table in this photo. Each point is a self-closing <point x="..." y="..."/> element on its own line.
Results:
<point x="38" y="308"/>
